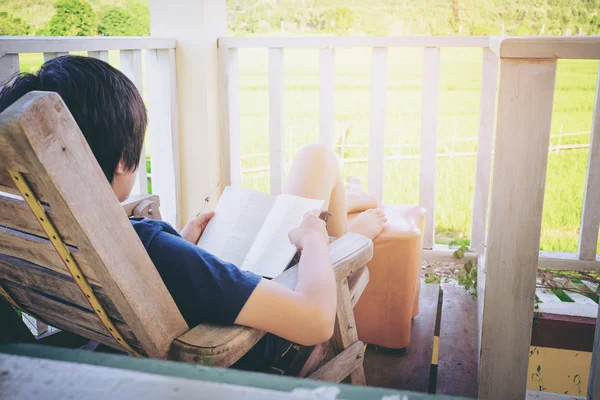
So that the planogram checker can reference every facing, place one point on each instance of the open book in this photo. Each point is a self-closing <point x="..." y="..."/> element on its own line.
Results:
<point x="250" y="229"/>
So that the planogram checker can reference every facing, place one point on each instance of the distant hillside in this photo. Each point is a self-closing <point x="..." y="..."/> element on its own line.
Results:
<point x="375" y="17"/>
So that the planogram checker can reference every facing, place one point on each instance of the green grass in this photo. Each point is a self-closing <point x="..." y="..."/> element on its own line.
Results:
<point x="460" y="84"/>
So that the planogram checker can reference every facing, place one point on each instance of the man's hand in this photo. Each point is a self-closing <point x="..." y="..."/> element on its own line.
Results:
<point x="311" y="228"/>
<point x="193" y="229"/>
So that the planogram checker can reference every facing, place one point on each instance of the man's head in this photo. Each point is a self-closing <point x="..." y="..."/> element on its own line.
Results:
<point x="105" y="104"/>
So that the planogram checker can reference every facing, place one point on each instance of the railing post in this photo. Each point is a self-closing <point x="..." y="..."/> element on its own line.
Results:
<point x="326" y="95"/>
<point x="521" y="156"/>
<point x="377" y="121"/>
<point x="276" y="132"/>
<point x="429" y="123"/>
<point x="229" y="104"/>
<point x="489" y="80"/>
<point x="590" y="216"/>
<point x="9" y="66"/>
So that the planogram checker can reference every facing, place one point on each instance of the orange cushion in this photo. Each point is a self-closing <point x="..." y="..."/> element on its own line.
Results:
<point x="384" y="312"/>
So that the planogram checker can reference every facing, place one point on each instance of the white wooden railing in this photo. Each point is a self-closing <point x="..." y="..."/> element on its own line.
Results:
<point x="508" y="264"/>
<point x="231" y="166"/>
<point x="142" y="60"/>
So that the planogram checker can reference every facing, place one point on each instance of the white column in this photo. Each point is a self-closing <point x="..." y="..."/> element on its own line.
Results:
<point x="196" y="25"/>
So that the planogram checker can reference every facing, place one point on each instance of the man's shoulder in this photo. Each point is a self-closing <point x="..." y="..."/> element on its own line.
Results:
<point x="147" y="229"/>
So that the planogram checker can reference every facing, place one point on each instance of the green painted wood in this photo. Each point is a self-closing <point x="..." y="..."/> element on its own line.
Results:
<point x="198" y="372"/>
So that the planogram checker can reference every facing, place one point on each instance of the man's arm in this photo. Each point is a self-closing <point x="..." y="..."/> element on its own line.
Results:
<point x="306" y="315"/>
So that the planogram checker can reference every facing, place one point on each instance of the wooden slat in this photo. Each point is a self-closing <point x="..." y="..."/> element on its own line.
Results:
<point x="341" y="365"/>
<point x="408" y="370"/>
<point x="457" y="357"/>
<point x="429" y="122"/>
<point x="580" y="47"/>
<point x="6" y="183"/>
<point x="377" y="122"/>
<point x="567" y="262"/>
<point x="131" y="66"/>
<point x="229" y="93"/>
<point x="521" y="157"/>
<point x="47" y="308"/>
<point x="52" y="283"/>
<point x="162" y="136"/>
<point x="9" y="66"/>
<point x="487" y="112"/>
<point x="276" y="133"/>
<point x="16" y="214"/>
<point x="356" y="41"/>
<point x="326" y="96"/>
<point x="32" y="44"/>
<point x="590" y="216"/>
<point x="50" y="56"/>
<point x="41" y="252"/>
<point x="100" y="55"/>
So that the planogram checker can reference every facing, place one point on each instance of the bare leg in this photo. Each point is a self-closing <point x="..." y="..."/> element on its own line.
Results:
<point x="315" y="174"/>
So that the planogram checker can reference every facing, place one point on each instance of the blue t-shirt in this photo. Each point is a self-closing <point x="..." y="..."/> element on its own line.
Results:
<point x="205" y="288"/>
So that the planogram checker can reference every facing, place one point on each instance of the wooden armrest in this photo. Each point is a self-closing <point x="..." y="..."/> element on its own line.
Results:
<point x="142" y="205"/>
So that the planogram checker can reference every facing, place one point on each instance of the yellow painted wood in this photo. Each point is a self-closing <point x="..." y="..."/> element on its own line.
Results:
<point x="436" y="350"/>
<point x="67" y="259"/>
<point x="558" y="371"/>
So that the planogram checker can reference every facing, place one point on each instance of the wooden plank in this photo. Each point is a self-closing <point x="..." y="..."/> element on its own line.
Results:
<point x="229" y="100"/>
<point x="521" y="157"/>
<point x="377" y="122"/>
<point x="340" y="366"/>
<point x="100" y="55"/>
<point x="161" y="135"/>
<point x="457" y="357"/>
<point x="40" y="251"/>
<point x="356" y="41"/>
<point x="563" y="332"/>
<point x="32" y="44"/>
<point x="50" y="56"/>
<point x="9" y="66"/>
<point x="444" y="253"/>
<point x="344" y="331"/>
<point x="131" y="66"/>
<point x="536" y="395"/>
<point x="487" y="113"/>
<point x="16" y="214"/>
<point x="429" y="122"/>
<point x="590" y="215"/>
<point x="409" y="369"/>
<point x="593" y="390"/>
<point x="580" y="47"/>
<point x="43" y="139"/>
<point x="276" y="133"/>
<point x="567" y="262"/>
<point x="326" y="96"/>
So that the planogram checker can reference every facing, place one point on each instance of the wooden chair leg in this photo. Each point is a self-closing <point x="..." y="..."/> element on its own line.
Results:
<point x="345" y="334"/>
<point x="308" y="360"/>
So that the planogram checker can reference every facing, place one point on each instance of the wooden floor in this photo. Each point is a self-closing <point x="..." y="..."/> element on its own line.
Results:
<point x="448" y="315"/>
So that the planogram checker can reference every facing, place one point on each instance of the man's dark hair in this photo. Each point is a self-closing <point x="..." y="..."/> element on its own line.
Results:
<point x="104" y="102"/>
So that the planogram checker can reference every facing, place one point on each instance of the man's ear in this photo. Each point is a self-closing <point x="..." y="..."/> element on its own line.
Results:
<point x="121" y="168"/>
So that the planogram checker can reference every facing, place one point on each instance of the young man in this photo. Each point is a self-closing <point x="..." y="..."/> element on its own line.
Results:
<point x="112" y="117"/>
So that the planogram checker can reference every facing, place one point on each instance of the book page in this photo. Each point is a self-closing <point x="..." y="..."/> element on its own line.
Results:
<point x="272" y="250"/>
<point x="238" y="218"/>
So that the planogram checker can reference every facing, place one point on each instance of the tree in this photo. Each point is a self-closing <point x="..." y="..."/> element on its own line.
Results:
<point x="116" y="21"/>
<point x="73" y="18"/>
<point x="341" y="20"/>
<point x="10" y="26"/>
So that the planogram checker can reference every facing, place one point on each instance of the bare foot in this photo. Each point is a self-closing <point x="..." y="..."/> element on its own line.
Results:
<point x="369" y="223"/>
<point x="357" y="199"/>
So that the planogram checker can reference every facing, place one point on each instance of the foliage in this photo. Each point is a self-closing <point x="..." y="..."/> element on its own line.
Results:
<point x="11" y="26"/>
<point x="72" y="18"/>
<point x="118" y="21"/>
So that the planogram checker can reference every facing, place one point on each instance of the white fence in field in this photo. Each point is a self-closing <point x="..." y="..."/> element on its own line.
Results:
<point x="150" y="60"/>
